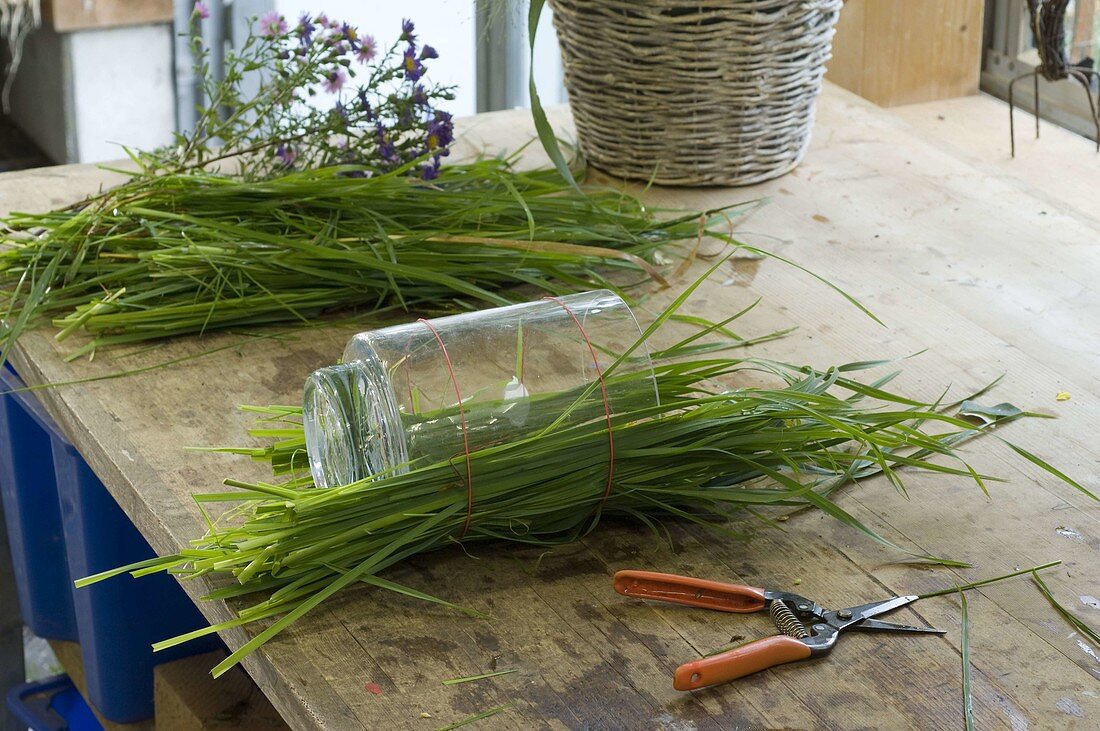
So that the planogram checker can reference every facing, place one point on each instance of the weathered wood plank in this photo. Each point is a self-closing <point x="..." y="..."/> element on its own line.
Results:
<point x="69" y="655"/>
<point x="1059" y="167"/>
<point x="902" y="52"/>
<point x="71" y="15"/>
<point x="987" y="273"/>
<point x="188" y="699"/>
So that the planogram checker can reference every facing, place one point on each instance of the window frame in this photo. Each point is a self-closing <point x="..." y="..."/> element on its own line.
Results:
<point x="1008" y="53"/>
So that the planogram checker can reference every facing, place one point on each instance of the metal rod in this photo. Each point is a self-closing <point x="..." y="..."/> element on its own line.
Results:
<point x="1086" y="81"/>
<point x="1036" y="106"/>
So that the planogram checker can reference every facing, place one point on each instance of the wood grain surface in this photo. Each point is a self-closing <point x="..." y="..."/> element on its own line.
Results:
<point x="980" y="269"/>
<point x="71" y="15"/>
<point x="903" y="52"/>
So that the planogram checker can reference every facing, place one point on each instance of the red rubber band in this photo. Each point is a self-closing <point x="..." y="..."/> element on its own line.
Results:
<point x="606" y="402"/>
<point x="465" y="431"/>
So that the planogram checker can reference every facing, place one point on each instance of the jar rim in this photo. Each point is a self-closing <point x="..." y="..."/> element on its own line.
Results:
<point x="354" y="431"/>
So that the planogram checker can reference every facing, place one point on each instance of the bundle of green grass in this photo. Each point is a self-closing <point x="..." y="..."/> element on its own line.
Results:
<point x="702" y="454"/>
<point x="186" y="253"/>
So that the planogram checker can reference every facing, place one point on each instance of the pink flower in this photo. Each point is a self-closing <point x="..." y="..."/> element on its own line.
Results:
<point x="272" y="24"/>
<point x="201" y="10"/>
<point x="335" y="81"/>
<point x="368" y="49"/>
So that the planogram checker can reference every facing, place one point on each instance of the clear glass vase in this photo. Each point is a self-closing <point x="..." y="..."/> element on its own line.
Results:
<point x="436" y="390"/>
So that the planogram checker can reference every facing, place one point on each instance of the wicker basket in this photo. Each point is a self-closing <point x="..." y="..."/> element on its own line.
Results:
<point x="694" y="92"/>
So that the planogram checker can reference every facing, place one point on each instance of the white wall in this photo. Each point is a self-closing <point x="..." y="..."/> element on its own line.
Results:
<point x="450" y="27"/>
<point x="446" y="25"/>
<point x="548" y="73"/>
<point x="122" y="90"/>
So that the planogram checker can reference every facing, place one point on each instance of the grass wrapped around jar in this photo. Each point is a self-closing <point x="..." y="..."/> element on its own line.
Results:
<point x="702" y="454"/>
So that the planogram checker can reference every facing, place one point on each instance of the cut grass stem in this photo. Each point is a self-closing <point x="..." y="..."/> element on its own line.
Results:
<point x="965" y="587"/>
<point x="968" y="700"/>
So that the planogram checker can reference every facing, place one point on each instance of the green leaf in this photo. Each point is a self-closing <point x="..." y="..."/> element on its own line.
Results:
<point x="542" y="125"/>
<point x="1077" y="624"/>
<point x="988" y="414"/>
<point x="968" y="701"/>
<point x="1043" y="464"/>
<point x="472" y="678"/>
<point x="994" y="580"/>
<point x="477" y="717"/>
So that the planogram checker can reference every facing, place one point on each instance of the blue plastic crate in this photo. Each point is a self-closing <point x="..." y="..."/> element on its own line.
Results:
<point x="118" y="619"/>
<point x="63" y="525"/>
<point x="32" y="513"/>
<point x="53" y="704"/>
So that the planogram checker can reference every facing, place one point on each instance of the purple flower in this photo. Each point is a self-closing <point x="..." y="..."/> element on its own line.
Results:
<point x="201" y="10"/>
<point x="321" y="20"/>
<point x="385" y="145"/>
<point x="287" y="154"/>
<point x="428" y="52"/>
<point x="334" y="81"/>
<point x="368" y="49"/>
<point x="413" y="68"/>
<point x="272" y="24"/>
<point x="407" y="30"/>
<point x="419" y="95"/>
<point x="305" y="30"/>
<point x="431" y="170"/>
<point x="441" y="131"/>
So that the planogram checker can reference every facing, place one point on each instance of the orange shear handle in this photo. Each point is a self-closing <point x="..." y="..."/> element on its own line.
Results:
<point x="689" y="591"/>
<point x="744" y="660"/>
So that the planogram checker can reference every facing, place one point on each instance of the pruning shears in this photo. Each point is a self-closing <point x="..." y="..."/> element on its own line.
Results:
<point x="806" y="628"/>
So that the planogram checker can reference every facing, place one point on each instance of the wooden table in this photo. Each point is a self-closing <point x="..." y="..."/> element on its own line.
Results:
<point x="943" y="239"/>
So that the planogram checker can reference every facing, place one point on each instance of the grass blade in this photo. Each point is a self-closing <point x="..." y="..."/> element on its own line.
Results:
<point x="472" y="678"/>
<point x="968" y="701"/>
<point x="1080" y="626"/>
<point x="994" y="580"/>
<point x="477" y="717"/>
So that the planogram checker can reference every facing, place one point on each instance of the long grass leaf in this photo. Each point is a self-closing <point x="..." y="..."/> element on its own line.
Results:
<point x="968" y="700"/>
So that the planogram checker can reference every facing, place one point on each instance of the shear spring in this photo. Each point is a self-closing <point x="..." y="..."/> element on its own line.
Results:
<point x="785" y="620"/>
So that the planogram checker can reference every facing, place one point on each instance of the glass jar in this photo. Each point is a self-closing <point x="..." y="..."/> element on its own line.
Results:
<point x="435" y="390"/>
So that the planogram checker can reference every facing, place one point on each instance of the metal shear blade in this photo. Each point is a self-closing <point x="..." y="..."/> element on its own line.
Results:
<point x="860" y="617"/>
<point x="874" y="625"/>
